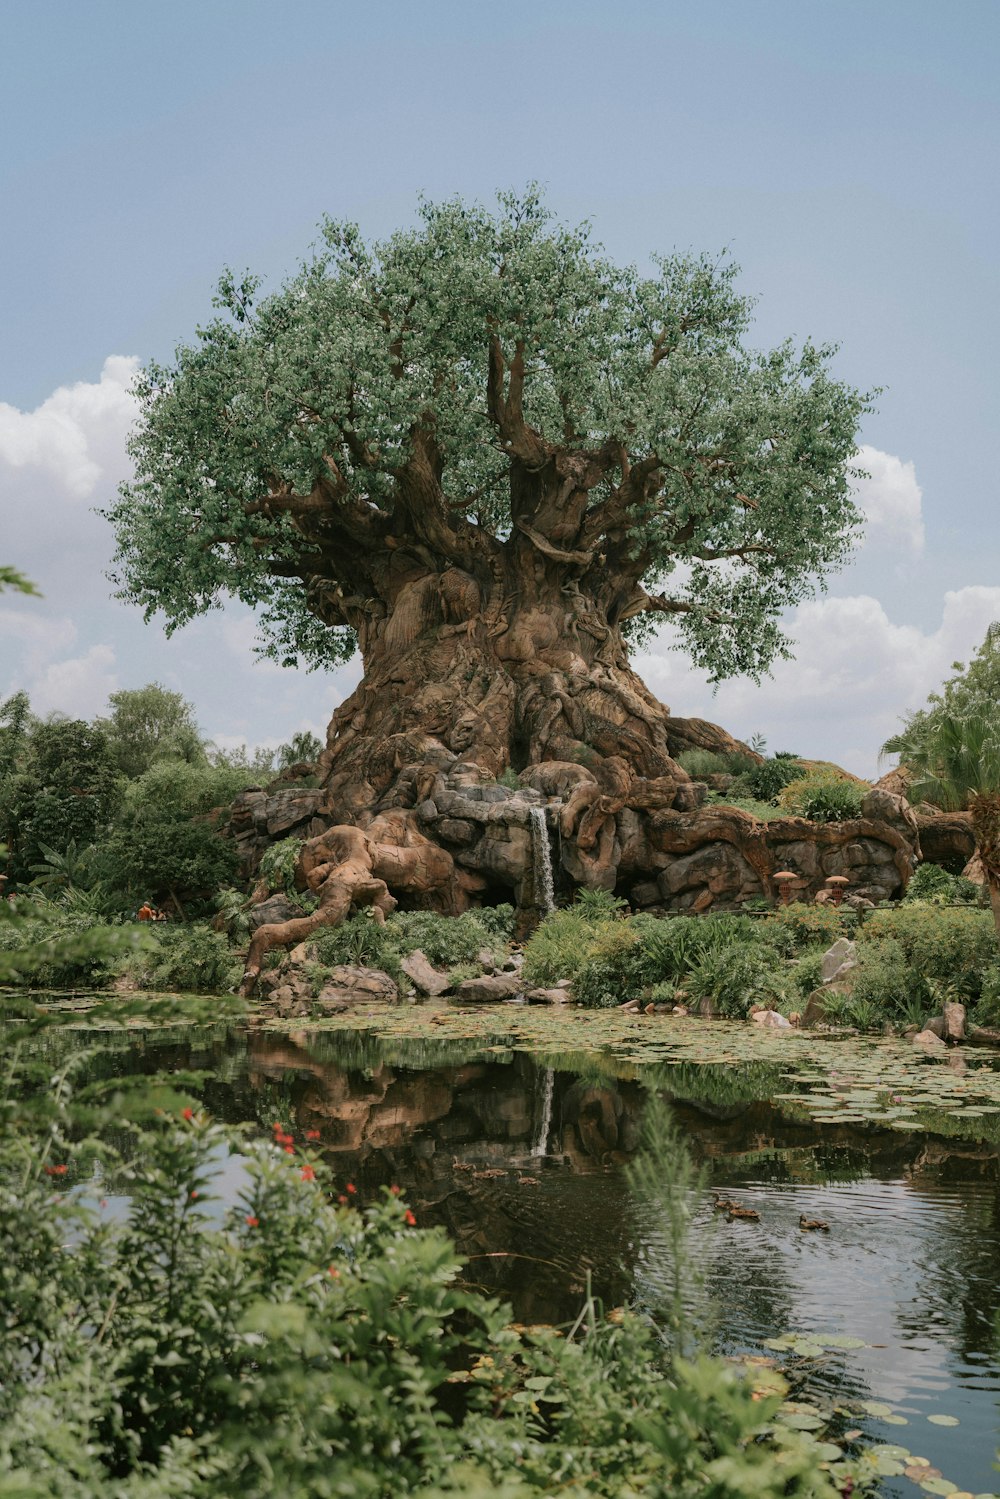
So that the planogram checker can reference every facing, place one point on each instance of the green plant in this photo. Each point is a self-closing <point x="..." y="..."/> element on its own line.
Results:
<point x="497" y="921"/>
<point x="510" y="779"/>
<point x="930" y="882"/>
<point x="442" y="939"/>
<point x="823" y="798"/>
<point x="765" y="781"/>
<point x="184" y="956"/>
<point x="807" y="974"/>
<point x="278" y="863"/>
<point x="188" y="1349"/>
<point x="987" y="1011"/>
<point x="888" y="984"/>
<point x="732" y="978"/>
<point x="798" y="925"/>
<point x="954" y="945"/>
<point x="699" y="762"/>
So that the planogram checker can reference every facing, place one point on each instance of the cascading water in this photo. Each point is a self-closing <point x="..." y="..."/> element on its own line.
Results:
<point x="541" y="1145"/>
<point x="541" y="857"/>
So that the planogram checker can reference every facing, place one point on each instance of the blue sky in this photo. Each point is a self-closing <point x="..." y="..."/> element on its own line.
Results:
<point x="845" y="152"/>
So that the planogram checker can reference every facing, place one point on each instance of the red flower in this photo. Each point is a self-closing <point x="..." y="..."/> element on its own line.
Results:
<point x="342" y="1200"/>
<point x="289" y="1149"/>
<point x="312" y="1134"/>
<point x="187" y="1114"/>
<point x="193" y="1196"/>
<point x="351" y="1188"/>
<point x="410" y="1219"/>
<point x="56" y="1170"/>
<point x="104" y="1202"/>
<point x="395" y="1190"/>
<point x="278" y="1128"/>
<point x="252" y="1222"/>
<point x="308" y="1174"/>
<point x="334" y="1272"/>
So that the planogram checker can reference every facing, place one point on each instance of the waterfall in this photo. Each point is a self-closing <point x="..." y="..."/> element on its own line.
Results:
<point x="541" y="1144"/>
<point x="541" y="856"/>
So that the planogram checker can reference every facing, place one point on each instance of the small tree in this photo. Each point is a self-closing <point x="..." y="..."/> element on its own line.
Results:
<point x="301" y="748"/>
<point x="973" y="690"/>
<point x="957" y="767"/>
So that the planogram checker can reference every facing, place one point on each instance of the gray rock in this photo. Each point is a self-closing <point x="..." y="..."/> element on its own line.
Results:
<point x="275" y="908"/>
<point x="838" y="960"/>
<point x="927" y="1041"/>
<point x="359" y="984"/>
<point x="935" y="1025"/>
<point x="423" y="974"/>
<point x="286" y="809"/>
<point x="456" y="830"/>
<point x="491" y="988"/>
<point x="954" y="1021"/>
<point x="332" y="1001"/>
<point x="548" y="996"/>
<point x="486" y="960"/>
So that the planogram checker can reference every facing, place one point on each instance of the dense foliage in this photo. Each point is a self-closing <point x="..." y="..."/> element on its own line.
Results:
<point x="288" y="1343"/>
<point x="415" y="388"/>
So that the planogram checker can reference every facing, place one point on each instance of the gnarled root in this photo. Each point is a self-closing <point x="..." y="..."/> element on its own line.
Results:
<point x="338" y="867"/>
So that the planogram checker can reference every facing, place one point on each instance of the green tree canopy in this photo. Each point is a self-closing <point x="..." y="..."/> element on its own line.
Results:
<point x="151" y="723"/>
<point x="972" y="692"/>
<point x="477" y="381"/>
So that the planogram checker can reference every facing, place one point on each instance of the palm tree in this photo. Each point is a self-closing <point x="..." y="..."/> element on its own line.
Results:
<point x="957" y="767"/>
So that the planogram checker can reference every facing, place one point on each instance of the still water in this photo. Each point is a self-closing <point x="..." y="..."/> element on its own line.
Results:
<point x="521" y="1159"/>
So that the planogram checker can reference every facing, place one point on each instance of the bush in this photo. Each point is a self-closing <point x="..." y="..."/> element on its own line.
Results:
<point x="887" y="988"/>
<point x="700" y="762"/>
<point x="559" y="946"/>
<point x="629" y="957"/>
<point x="443" y="940"/>
<point x="931" y="882"/>
<point x="186" y="957"/>
<point x="797" y="926"/>
<point x="807" y="974"/>
<point x="734" y="977"/>
<point x="277" y="865"/>
<point x="71" y="948"/>
<point x="951" y="946"/>
<point x="822" y="798"/>
<point x="765" y="781"/>
<point x="987" y="1011"/>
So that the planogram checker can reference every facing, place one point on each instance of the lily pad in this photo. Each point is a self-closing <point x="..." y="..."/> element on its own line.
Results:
<point x="940" y="1420"/>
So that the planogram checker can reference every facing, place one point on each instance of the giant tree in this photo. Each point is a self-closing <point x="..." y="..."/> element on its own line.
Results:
<point x="491" y="459"/>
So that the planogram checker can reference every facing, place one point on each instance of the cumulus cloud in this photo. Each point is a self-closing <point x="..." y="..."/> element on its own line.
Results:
<point x="78" y="687"/>
<point x="854" y="676"/>
<point x="891" y="501"/>
<point x="77" y="434"/>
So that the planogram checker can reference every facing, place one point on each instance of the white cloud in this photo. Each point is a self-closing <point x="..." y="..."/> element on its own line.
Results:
<point x="78" y="687"/>
<point x="77" y="434"/>
<point x="891" y="501"/>
<point x="29" y="639"/>
<point x="855" y="674"/>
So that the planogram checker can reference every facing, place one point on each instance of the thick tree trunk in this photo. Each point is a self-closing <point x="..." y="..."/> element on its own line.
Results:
<point x="501" y="672"/>
<point x="985" y="819"/>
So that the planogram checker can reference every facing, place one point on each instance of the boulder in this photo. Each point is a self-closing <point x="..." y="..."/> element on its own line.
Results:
<point x="936" y="1026"/>
<point x="815" y="1006"/>
<point x="423" y="975"/>
<point x="927" y="1041"/>
<point x="491" y="988"/>
<point x="359" y="985"/>
<point x="331" y="1000"/>
<point x="839" y="960"/>
<point x="772" y="1019"/>
<point x="275" y="908"/>
<point x="548" y="996"/>
<point x="954" y="1021"/>
<point x="287" y="809"/>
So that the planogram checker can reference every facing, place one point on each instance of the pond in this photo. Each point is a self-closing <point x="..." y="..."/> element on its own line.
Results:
<point x="519" y="1150"/>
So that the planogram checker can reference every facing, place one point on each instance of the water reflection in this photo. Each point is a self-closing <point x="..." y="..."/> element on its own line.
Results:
<point x="520" y="1160"/>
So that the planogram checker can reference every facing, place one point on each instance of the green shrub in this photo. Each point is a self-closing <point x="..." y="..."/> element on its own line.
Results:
<point x="931" y="882"/>
<point x="798" y="926"/>
<point x="954" y="946"/>
<point x="700" y="762"/>
<point x="277" y="865"/>
<point x="361" y="942"/>
<point x="823" y="799"/>
<point x="629" y="957"/>
<point x="887" y="983"/>
<point x="497" y="921"/>
<point x="189" y="957"/>
<point x="560" y="944"/>
<point x="616" y="967"/>
<point x="734" y="977"/>
<point x="987" y="1011"/>
<point x="765" y="781"/>
<point x="70" y="948"/>
<point x="807" y="974"/>
<point x="443" y="940"/>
